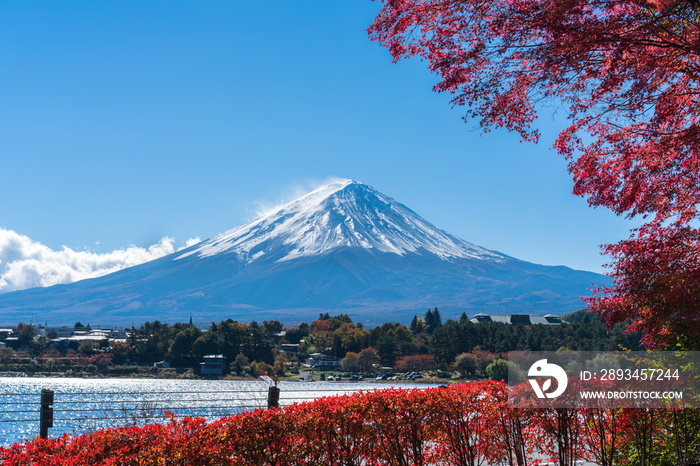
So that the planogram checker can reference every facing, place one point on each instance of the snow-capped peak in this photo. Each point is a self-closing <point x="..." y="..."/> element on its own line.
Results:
<point x="340" y="214"/>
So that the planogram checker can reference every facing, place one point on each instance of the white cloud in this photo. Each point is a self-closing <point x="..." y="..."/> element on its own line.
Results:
<point x="191" y="242"/>
<point x="25" y="263"/>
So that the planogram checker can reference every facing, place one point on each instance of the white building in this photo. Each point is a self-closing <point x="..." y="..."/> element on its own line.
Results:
<point x="323" y="362"/>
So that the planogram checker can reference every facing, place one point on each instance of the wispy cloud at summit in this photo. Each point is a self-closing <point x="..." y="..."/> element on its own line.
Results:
<point x="263" y="207"/>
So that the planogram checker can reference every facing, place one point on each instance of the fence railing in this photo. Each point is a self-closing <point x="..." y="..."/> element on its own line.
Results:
<point x="99" y="409"/>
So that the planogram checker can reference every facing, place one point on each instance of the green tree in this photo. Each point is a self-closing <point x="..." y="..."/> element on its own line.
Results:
<point x="207" y="343"/>
<point x="25" y="334"/>
<point x="386" y="349"/>
<point x="466" y="364"/>
<point x="433" y="320"/>
<point x="280" y="365"/>
<point x="234" y="337"/>
<point x="498" y="370"/>
<point x="88" y="347"/>
<point x="295" y="334"/>
<point x="258" y="346"/>
<point x="273" y="327"/>
<point x="37" y="345"/>
<point x="367" y="358"/>
<point x="152" y="340"/>
<point x="350" y="362"/>
<point x="240" y="364"/>
<point x="120" y="352"/>
<point x="346" y="338"/>
<point x="418" y="325"/>
<point x="181" y="349"/>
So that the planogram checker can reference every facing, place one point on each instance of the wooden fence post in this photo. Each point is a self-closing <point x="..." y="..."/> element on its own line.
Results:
<point x="46" y="413"/>
<point x="273" y="397"/>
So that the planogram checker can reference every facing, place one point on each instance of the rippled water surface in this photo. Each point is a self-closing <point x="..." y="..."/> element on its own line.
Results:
<point x="88" y="404"/>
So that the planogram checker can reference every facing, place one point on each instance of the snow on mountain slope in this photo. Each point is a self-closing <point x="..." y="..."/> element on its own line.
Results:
<point x="341" y="214"/>
<point x="342" y="248"/>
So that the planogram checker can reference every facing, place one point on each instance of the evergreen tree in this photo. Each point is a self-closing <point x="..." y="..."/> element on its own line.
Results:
<point x="414" y="324"/>
<point x="430" y="321"/>
<point x="433" y="320"/>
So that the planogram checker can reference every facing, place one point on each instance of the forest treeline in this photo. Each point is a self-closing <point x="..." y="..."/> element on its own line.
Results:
<point x="455" y="346"/>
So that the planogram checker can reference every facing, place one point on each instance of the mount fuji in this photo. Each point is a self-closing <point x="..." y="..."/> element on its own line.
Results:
<point x="344" y="247"/>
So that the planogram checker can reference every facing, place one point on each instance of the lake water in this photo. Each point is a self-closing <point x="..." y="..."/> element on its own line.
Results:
<point x="82" y="405"/>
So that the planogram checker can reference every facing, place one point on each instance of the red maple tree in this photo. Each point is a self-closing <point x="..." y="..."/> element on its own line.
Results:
<point x="627" y="73"/>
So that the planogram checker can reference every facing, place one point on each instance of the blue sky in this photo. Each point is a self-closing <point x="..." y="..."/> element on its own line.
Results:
<point x="125" y="122"/>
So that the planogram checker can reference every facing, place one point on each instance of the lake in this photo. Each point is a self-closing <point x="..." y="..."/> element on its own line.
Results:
<point x="82" y="405"/>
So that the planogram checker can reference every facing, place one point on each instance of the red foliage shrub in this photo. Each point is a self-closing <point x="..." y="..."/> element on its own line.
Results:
<point x="465" y="424"/>
<point x="415" y="363"/>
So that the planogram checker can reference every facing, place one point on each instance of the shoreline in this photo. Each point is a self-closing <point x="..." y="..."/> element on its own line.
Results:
<point x="169" y="376"/>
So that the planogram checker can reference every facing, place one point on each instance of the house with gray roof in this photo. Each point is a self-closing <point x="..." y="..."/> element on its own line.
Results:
<point x="519" y="319"/>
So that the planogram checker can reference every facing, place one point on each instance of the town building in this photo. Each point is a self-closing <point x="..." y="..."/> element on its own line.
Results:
<point x="323" y="362"/>
<point x="212" y="364"/>
<point x="519" y="319"/>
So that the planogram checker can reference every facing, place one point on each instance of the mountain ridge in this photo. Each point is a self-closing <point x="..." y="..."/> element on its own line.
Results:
<point x="313" y="224"/>
<point x="344" y="247"/>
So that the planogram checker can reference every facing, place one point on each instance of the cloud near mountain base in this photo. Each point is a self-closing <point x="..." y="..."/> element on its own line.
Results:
<point x="25" y="263"/>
